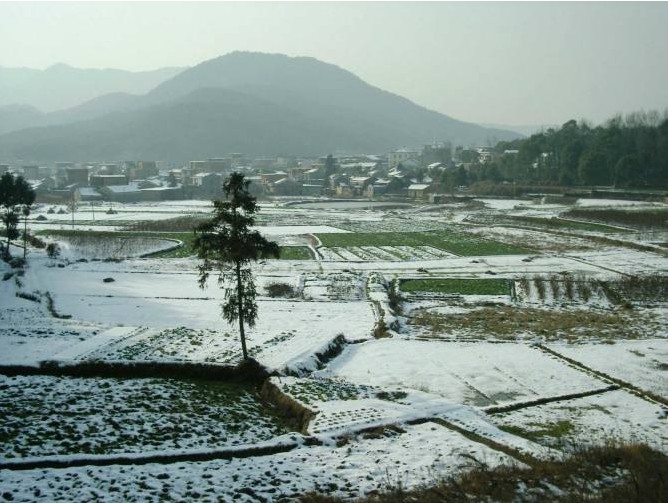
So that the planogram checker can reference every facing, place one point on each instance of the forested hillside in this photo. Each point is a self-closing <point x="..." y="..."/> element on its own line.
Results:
<point x="629" y="151"/>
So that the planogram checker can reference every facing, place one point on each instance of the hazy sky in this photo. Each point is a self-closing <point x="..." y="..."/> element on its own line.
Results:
<point x="510" y="63"/>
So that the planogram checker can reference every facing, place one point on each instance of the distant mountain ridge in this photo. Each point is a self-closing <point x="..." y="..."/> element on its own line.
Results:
<point x="61" y="86"/>
<point x="258" y="103"/>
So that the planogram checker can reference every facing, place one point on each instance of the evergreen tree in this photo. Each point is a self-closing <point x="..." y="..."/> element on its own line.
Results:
<point x="15" y="194"/>
<point x="227" y="244"/>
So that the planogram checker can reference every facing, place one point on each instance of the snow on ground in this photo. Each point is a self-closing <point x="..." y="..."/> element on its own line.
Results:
<point x="469" y="373"/>
<point x="287" y="334"/>
<point x="641" y="363"/>
<point x="154" y="310"/>
<point x="28" y="333"/>
<point x="341" y="407"/>
<point x="623" y="260"/>
<point x="295" y="230"/>
<point x="613" y="202"/>
<point x="502" y="204"/>
<point x="351" y="470"/>
<point x="168" y="317"/>
<point x="96" y="247"/>
<point x="535" y="239"/>
<point x="611" y="416"/>
<point x="46" y="416"/>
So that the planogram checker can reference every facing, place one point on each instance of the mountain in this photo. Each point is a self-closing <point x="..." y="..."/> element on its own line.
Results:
<point x="13" y="117"/>
<point x="524" y="129"/>
<point x="261" y="104"/>
<point x="62" y="86"/>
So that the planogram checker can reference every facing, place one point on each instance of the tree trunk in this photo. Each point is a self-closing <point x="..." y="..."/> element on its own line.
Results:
<point x="25" y="235"/>
<point x="7" y="250"/>
<point x="240" y="305"/>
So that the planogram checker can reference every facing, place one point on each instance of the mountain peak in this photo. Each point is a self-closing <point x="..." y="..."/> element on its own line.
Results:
<point x="258" y="103"/>
<point x="59" y="67"/>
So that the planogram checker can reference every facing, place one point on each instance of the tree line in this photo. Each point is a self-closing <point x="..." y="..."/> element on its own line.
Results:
<point x="630" y="151"/>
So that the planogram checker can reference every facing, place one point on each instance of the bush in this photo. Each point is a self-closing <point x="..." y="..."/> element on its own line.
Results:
<point x="280" y="290"/>
<point x="28" y="296"/>
<point x="17" y="263"/>
<point x="53" y="250"/>
<point x="36" y="242"/>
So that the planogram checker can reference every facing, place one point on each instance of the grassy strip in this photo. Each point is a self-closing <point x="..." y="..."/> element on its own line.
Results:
<point x="295" y="253"/>
<point x="458" y="243"/>
<point x="554" y="430"/>
<point x="510" y="322"/>
<point x="630" y="473"/>
<point x="458" y="286"/>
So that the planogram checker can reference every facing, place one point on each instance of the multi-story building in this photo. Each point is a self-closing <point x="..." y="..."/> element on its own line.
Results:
<point x="31" y="172"/>
<point x="108" y="180"/>
<point x="400" y="156"/>
<point x="77" y="176"/>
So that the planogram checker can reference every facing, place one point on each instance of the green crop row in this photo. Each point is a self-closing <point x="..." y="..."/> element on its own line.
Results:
<point x="495" y="286"/>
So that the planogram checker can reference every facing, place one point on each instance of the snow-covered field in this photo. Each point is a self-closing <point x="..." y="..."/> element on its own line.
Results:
<point x="471" y="373"/>
<point x="114" y="416"/>
<point x="643" y="364"/>
<point x="375" y="402"/>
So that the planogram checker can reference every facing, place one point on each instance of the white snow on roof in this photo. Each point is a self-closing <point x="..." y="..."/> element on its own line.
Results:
<point x="132" y="187"/>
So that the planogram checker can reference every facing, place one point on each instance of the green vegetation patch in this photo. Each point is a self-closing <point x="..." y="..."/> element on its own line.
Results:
<point x="43" y="415"/>
<point x="511" y="322"/>
<point x="460" y="286"/>
<point x="312" y="391"/>
<point x="459" y="243"/>
<point x="538" y="431"/>
<point x="295" y="253"/>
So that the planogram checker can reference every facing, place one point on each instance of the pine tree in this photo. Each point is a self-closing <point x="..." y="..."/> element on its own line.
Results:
<point x="15" y="193"/>
<point x="227" y="244"/>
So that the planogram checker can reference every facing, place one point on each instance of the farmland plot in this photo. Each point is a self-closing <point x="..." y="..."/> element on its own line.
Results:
<point x="353" y="470"/>
<point x="91" y="246"/>
<point x="341" y="407"/>
<point x="458" y="243"/>
<point x="530" y="238"/>
<point x="511" y="322"/>
<point x="470" y="373"/>
<point x="43" y="416"/>
<point x="625" y="261"/>
<point x="374" y="383"/>
<point x="287" y="335"/>
<point x="641" y="363"/>
<point x="611" y="416"/>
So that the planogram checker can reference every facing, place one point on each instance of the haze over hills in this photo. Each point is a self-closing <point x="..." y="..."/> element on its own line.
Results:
<point x="523" y="129"/>
<point x="252" y="102"/>
<point x="62" y="86"/>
